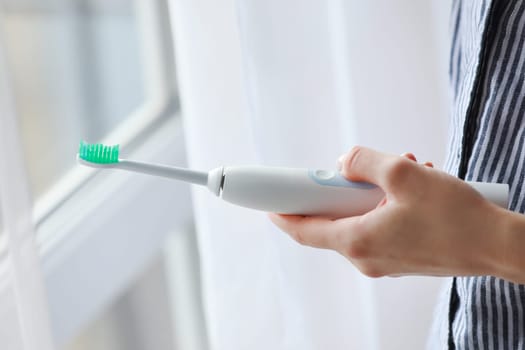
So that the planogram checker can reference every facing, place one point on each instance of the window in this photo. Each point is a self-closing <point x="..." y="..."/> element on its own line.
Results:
<point x="76" y="72"/>
<point x="85" y="69"/>
<point x="101" y="71"/>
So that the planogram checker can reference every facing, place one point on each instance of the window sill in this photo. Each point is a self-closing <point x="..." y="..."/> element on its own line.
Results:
<point x="94" y="246"/>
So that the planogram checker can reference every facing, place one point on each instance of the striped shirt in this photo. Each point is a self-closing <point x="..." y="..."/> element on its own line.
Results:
<point x="487" y="134"/>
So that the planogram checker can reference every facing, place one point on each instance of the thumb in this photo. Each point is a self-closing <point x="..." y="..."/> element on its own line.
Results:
<point x="384" y="170"/>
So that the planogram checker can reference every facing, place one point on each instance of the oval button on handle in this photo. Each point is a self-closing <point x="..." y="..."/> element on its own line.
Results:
<point x="324" y="174"/>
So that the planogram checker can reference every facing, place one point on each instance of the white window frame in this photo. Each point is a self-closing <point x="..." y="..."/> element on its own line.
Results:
<point x="95" y="229"/>
<point x="110" y="234"/>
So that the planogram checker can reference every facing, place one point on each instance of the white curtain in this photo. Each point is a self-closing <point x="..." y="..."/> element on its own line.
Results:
<point x="24" y="321"/>
<point x="297" y="83"/>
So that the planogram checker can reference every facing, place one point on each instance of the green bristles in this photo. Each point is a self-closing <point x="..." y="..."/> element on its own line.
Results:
<point x="98" y="153"/>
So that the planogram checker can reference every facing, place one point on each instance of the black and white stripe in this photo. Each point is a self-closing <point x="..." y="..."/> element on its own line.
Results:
<point x="487" y="135"/>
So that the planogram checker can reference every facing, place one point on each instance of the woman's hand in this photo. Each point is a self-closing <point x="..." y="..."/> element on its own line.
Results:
<point x="429" y="223"/>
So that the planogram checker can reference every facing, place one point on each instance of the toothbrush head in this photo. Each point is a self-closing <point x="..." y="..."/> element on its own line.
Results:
<point x="98" y="153"/>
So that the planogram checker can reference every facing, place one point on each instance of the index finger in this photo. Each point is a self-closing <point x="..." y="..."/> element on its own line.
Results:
<point x="314" y="231"/>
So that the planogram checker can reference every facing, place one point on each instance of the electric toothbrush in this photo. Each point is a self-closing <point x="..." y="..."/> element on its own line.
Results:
<point x="272" y="189"/>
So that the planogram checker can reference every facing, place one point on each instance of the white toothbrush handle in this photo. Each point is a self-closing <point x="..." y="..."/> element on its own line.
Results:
<point x="313" y="192"/>
<point x="298" y="191"/>
<point x="496" y="193"/>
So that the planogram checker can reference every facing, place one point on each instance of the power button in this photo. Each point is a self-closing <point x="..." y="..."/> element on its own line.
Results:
<point x="332" y="178"/>
<point x="324" y="174"/>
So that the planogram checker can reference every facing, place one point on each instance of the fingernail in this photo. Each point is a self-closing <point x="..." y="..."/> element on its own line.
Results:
<point x="409" y="155"/>
<point x="340" y="161"/>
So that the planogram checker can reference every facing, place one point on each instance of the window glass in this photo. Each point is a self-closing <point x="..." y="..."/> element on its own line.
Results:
<point x="76" y="72"/>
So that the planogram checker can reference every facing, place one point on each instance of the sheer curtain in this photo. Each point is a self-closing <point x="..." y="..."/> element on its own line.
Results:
<point x="297" y="83"/>
<point x="24" y="322"/>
